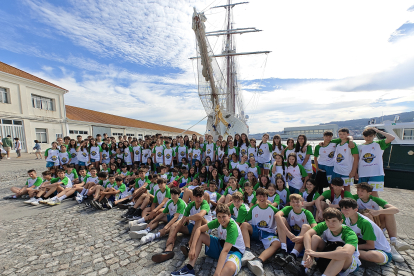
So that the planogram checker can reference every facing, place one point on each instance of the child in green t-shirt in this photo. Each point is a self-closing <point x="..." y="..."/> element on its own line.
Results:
<point x="238" y="209"/>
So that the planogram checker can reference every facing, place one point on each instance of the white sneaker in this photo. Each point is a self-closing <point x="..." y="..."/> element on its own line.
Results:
<point x="137" y="234"/>
<point x="30" y="200"/>
<point x="247" y="256"/>
<point x="36" y="202"/>
<point x="132" y="223"/>
<point x="54" y="202"/>
<point x="148" y="238"/>
<point x="130" y="203"/>
<point x="79" y="199"/>
<point x="396" y="256"/>
<point x="256" y="267"/>
<point x="139" y="226"/>
<point x="400" y="245"/>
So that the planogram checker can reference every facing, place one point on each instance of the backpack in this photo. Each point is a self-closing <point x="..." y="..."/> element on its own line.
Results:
<point x="322" y="263"/>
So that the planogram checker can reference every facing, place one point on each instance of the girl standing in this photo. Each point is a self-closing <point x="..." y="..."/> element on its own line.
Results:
<point x="304" y="155"/>
<point x="278" y="169"/>
<point x="252" y="150"/>
<point x="221" y="151"/>
<point x="243" y="144"/>
<point x="264" y="151"/>
<point x="146" y="153"/>
<point x="295" y="174"/>
<point x="277" y="146"/>
<point x="283" y="192"/>
<point x="95" y="153"/>
<point x="73" y="154"/>
<point x="105" y="154"/>
<point x="83" y="154"/>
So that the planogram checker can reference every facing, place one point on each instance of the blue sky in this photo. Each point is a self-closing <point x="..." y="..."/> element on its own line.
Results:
<point x="330" y="60"/>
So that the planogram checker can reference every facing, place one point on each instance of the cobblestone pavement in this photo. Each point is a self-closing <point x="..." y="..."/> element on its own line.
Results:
<point x="71" y="240"/>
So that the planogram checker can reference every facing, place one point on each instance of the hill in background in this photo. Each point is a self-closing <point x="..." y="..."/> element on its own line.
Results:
<point x="355" y="126"/>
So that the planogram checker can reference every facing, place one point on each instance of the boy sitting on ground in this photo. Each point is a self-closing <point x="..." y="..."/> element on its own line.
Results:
<point x="47" y="176"/>
<point x="374" y="207"/>
<point x="227" y="248"/>
<point x="260" y="224"/>
<point x="293" y="222"/>
<point x="33" y="182"/>
<point x="333" y="241"/>
<point x="160" y="201"/>
<point x="58" y="184"/>
<point x="372" y="244"/>
<point x="196" y="214"/>
<point x="335" y="194"/>
<point x="238" y="209"/>
<point x="172" y="212"/>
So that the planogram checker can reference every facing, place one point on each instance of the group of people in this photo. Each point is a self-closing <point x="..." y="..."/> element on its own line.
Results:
<point x="262" y="191"/>
<point x="7" y="144"/>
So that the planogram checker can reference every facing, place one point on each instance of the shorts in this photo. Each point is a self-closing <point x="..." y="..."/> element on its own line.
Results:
<point x="352" y="268"/>
<point x="80" y="163"/>
<point x="377" y="182"/>
<point x="328" y="170"/>
<point x="50" y="164"/>
<point x="387" y="257"/>
<point x="7" y="149"/>
<point x="293" y="190"/>
<point x="93" y="160"/>
<point x="190" y="227"/>
<point x="265" y="165"/>
<point x="347" y="180"/>
<point x="214" y="251"/>
<point x="266" y="238"/>
<point x="129" y="163"/>
<point x="169" y="217"/>
<point x="38" y="151"/>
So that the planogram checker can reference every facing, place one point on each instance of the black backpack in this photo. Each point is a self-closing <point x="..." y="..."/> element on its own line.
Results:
<point x="323" y="263"/>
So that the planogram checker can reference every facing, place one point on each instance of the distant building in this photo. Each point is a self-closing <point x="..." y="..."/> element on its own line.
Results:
<point x="34" y="109"/>
<point x="311" y="132"/>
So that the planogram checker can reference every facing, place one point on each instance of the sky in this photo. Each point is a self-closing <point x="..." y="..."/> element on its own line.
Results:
<point x="329" y="60"/>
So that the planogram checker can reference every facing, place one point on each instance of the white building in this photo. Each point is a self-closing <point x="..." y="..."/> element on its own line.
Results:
<point x="34" y="109"/>
<point x="311" y="132"/>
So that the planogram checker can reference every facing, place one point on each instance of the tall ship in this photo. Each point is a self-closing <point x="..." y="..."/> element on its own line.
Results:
<point x="218" y="84"/>
<point x="399" y="157"/>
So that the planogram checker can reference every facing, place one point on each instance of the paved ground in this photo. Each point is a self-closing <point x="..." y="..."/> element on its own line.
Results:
<point x="71" y="240"/>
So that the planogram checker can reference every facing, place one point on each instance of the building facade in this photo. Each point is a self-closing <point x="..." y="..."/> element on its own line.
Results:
<point x="34" y="109"/>
<point x="311" y="132"/>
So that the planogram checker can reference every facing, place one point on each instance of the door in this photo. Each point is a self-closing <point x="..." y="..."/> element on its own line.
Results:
<point x="100" y="130"/>
<point x="14" y="128"/>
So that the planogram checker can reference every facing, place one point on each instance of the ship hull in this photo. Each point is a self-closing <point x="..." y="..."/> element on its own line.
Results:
<point x="237" y="126"/>
<point x="399" y="167"/>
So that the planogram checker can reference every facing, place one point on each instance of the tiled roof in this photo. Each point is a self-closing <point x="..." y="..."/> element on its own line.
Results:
<point x="86" y="115"/>
<point x="20" y="73"/>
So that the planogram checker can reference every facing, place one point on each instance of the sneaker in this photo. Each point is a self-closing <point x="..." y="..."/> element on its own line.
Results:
<point x="247" y="256"/>
<point x="280" y="257"/>
<point x="127" y="213"/>
<point x="138" y="226"/>
<point x="130" y="203"/>
<point x="184" y="271"/>
<point x="93" y="204"/>
<point x="137" y="234"/>
<point x="148" y="238"/>
<point x="256" y="266"/>
<point x="35" y="202"/>
<point x="293" y="266"/>
<point x="185" y="249"/>
<point x="162" y="257"/>
<point x="400" y="245"/>
<point x="396" y="256"/>
<point x="54" y="202"/>
<point x="109" y="204"/>
<point x="98" y="205"/>
<point x="30" y="200"/>
<point x="88" y="205"/>
<point x="122" y="206"/>
<point x="79" y="199"/>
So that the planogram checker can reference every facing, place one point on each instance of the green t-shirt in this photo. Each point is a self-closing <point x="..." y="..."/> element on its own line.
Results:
<point x="65" y="180"/>
<point x="230" y="234"/>
<point x="34" y="182"/>
<point x="159" y="196"/>
<point x="230" y="191"/>
<point x="296" y="220"/>
<point x="373" y="203"/>
<point x="192" y="210"/>
<point x="172" y="208"/>
<point x="240" y="214"/>
<point x="346" y="236"/>
<point x="7" y="142"/>
<point x="335" y="200"/>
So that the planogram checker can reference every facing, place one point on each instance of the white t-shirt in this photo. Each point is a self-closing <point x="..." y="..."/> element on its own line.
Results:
<point x="343" y="159"/>
<point x="370" y="159"/>
<point x="137" y="153"/>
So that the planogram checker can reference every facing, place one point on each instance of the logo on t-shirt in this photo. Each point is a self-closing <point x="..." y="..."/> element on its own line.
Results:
<point x="159" y="154"/>
<point x="64" y="159"/>
<point x="84" y="154"/>
<point x="104" y="156"/>
<point x="195" y="155"/>
<point x="260" y="152"/>
<point x="208" y="151"/>
<point x="263" y="224"/>
<point x="331" y="154"/>
<point x="251" y="155"/>
<point x="289" y="177"/>
<point x="136" y="152"/>
<point x="340" y="158"/>
<point x="274" y="155"/>
<point x="54" y="158"/>
<point x="126" y="154"/>
<point x="301" y="157"/>
<point x="243" y="151"/>
<point x="368" y="157"/>
<point x="93" y="152"/>
<point x="73" y="155"/>
<point x="182" y="153"/>
<point x="168" y="156"/>
<point x="242" y="173"/>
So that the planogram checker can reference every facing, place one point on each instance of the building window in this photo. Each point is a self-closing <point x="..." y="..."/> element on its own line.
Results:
<point x="7" y="122"/>
<point x="130" y="134"/>
<point x="118" y="134"/>
<point x="42" y="102"/>
<point x="59" y="136"/>
<point x="41" y="135"/>
<point x="78" y="132"/>
<point x="4" y="96"/>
